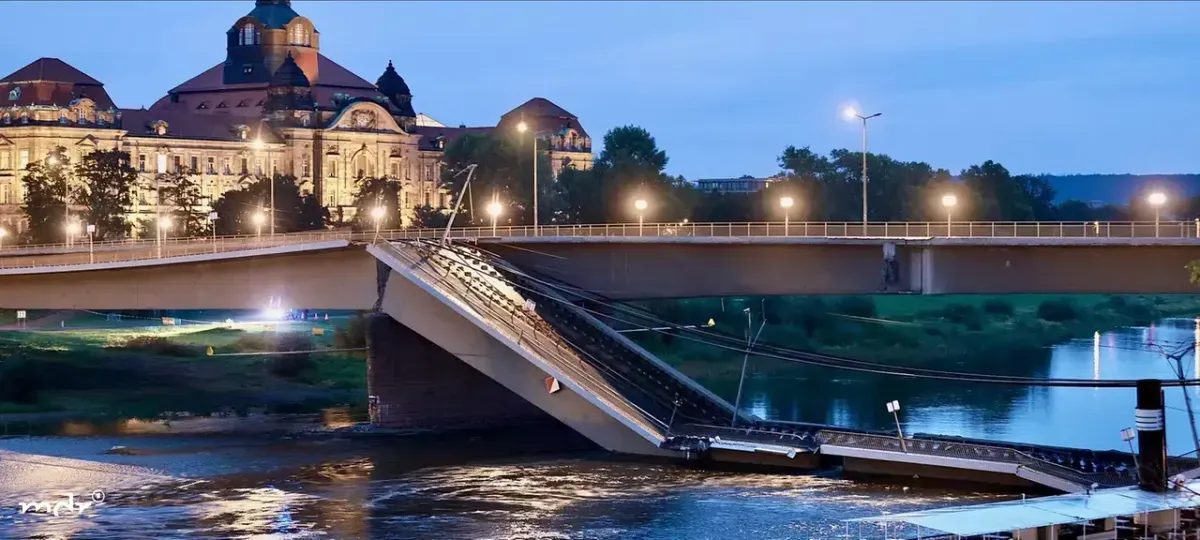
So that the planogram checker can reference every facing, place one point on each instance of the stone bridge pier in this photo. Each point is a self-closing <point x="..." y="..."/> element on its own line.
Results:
<point x="414" y="384"/>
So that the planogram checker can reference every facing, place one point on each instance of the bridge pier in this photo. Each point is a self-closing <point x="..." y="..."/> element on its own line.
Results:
<point x="413" y="383"/>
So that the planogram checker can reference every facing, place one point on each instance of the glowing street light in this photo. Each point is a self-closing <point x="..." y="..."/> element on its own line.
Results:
<point x="522" y="128"/>
<point x="494" y="209"/>
<point x="786" y="203"/>
<point x="164" y="225"/>
<point x="73" y="230"/>
<point x="3" y="233"/>
<point x="851" y="113"/>
<point x="1156" y="199"/>
<point x="949" y="201"/>
<point x="91" y="230"/>
<point x="212" y="224"/>
<point x="641" y="205"/>
<point x="377" y="214"/>
<point x="258" y="218"/>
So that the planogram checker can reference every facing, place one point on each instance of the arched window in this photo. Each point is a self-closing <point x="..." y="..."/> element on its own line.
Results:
<point x="249" y="35"/>
<point x="362" y="166"/>
<point x="297" y="37"/>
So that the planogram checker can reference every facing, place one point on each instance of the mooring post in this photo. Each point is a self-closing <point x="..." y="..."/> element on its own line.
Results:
<point x="1152" y="436"/>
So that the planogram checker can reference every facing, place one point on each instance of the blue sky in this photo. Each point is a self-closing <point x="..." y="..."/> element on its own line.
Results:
<point x="1071" y="87"/>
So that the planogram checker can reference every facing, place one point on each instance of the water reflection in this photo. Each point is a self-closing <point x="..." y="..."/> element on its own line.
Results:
<point x="1079" y="417"/>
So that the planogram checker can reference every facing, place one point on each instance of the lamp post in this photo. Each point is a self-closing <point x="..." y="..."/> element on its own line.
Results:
<point x="91" y="230"/>
<point x="949" y="201"/>
<point x="258" y="219"/>
<point x="258" y="147"/>
<point x="2" y="234"/>
<point x="1127" y="435"/>
<point x="894" y="408"/>
<point x="786" y="203"/>
<point x="1156" y="199"/>
<point x="494" y="209"/>
<point x="164" y="225"/>
<point x="73" y="229"/>
<point x="523" y="127"/>
<point x="377" y="214"/>
<point x="640" y="204"/>
<point x="852" y="113"/>
<point x="212" y="224"/>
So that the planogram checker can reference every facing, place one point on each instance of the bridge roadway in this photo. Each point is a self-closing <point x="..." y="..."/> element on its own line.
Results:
<point x="606" y="376"/>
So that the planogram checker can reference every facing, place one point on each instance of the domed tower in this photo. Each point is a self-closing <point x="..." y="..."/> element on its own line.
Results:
<point x="288" y="94"/>
<point x="260" y="42"/>
<point x="392" y="85"/>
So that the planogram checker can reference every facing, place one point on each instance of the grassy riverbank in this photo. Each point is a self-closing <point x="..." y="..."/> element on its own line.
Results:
<point x="975" y="333"/>
<point x="140" y="370"/>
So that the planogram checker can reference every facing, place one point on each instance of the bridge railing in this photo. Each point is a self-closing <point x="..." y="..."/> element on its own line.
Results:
<point x="127" y="250"/>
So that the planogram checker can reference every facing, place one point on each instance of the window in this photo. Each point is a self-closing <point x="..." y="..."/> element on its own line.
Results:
<point x="177" y="163"/>
<point x="426" y="198"/>
<point x="162" y="163"/>
<point x="304" y="167"/>
<point x="226" y="168"/>
<point x="4" y="193"/>
<point x="4" y="160"/>
<point x="405" y="200"/>
<point x="249" y="35"/>
<point x="195" y="165"/>
<point x="15" y="94"/>
<point x="212" y="165"/>
<point x="245" y="166"/>
<point x="332" y="169"/>
<point x="222" y="104"/>
<point x="395" y="169"/>
<point x="142" y="162"/>
<point x="304" y="121"/>
<point x="7" y="118"/>
<point x="274" y="166"/>
<point x="82" y="118"/>
<point x="258" y="166"/>
<point x="203" y="105"/>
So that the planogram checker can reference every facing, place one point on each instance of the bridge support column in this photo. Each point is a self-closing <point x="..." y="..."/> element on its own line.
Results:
<point x="1152" y="436"/>
<point x="413" y="383"/>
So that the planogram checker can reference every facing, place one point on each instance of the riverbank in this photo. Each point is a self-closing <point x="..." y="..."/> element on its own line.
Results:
<point x="138" y="370"/>
<point x="994" y="334"/>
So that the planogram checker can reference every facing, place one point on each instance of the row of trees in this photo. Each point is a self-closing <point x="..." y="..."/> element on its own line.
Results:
<point x="630" y="166"/>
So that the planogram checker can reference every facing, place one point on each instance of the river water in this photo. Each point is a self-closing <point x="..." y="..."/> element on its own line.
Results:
<point x="544" y="483"/>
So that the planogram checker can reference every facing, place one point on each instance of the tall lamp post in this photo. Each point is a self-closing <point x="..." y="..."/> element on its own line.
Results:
<point x="494" y="209"/>
<point x="786" y="203"/>
<point x="523" y="127"/>
<point x="258" y="147"/>
<point x="91" y="230"/>
<point x="852" y="113"/>
<point x="949" y="201"/>
<point x="1156" y="199"/>
<point x="2" y="234"/>
<point x="73" y="229"/>
<point x="164" y="225"/>
<point x="640" y="205"/>
<point x="377" y="214"/>
<point x="212" y="224"/>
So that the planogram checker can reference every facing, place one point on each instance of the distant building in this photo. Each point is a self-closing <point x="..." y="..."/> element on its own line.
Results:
<point x="275" y="104"/>
<point x="735" y="185"/>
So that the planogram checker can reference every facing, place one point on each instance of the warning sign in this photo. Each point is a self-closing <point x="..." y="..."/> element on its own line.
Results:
<point x="21" y="314"/>
<point x="552" y="385"/>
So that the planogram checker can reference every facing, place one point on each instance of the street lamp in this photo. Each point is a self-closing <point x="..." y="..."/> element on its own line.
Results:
<point x="3" y="233"/>
<point x="894" y="408"/>
<point x="786" y="203"/>
<point x="949" y="201"/>
<point x="852" y="113"/>
<point x="91" y="230"/>
<point x="494" y="209"/>
<point x="258" y="219"/>
<point x="73" y="230"/>
<point x="212" y="224"/>
<point x="1127" y="435"/>
<point x="1156" y="199"/>
<point x="523" y="127"/>
<point x="377" y="214"/>
<point x="258" y="146"/>
<point x="640" y="204"/>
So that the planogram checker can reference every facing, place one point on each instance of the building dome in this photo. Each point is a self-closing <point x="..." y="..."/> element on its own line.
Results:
<point x="392" y="85"/>
<point x="273" y="14"/>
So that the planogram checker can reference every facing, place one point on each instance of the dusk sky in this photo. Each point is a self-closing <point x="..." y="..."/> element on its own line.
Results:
<point x="1042" y="87"/>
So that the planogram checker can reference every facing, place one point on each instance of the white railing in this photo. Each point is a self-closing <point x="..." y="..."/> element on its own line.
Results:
<point x="82" y="251"/>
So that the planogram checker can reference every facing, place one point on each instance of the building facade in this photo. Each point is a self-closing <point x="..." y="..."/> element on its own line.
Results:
<point x="275" y="105"/>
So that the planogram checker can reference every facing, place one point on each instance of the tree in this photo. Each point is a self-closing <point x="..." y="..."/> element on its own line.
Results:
<point x="428" y="217"/>
<point x="294" y="211"/>
<point x="629" y="168"/>
<point x="45" y="205"/>
<point x="183" y="196"/>
<point x="375" y="192"/>
<point x="504" y="173"/>
<point x="105" y="191"/>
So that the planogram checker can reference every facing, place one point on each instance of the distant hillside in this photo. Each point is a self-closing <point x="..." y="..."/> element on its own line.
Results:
<point x="1121" y="188"/>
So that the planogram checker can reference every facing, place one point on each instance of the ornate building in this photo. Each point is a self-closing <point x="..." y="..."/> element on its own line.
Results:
<point x="274" y="105"/>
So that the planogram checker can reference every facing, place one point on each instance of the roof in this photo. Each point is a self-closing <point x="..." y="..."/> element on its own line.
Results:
<point x="1045" y="511"/>
<point x="543" y="116"/>
<point x="429" y="134"/>
<point x="184" y="125"/>
<point x="50" y="70"/>
<point x="51" y="82"/>
<point x="329" y="73"/>
<point x="424" y="120"/>
<point x="273" y="13"/>
<point x="289" y="74"/>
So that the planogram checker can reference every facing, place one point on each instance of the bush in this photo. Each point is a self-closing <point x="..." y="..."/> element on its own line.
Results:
<point x="965" y="315"/>
<point x="292" y="366"/>
<point x="1058" y="310"/>
<point x="855" y="306"/>
<point x="254" y="343"/>
<point x="21" y="380"/>
<point x="159" y="345"/>
<point x="354" y="335"/>
<point x="996" y="306"/>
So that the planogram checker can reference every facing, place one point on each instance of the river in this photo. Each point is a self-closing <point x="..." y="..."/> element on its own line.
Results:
<point x="543" y="483"/>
